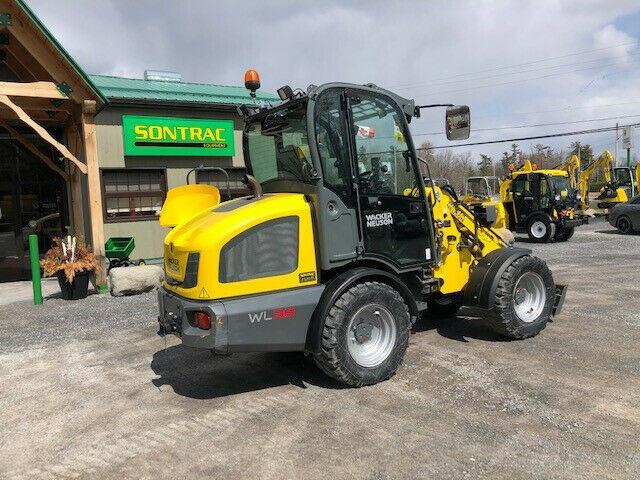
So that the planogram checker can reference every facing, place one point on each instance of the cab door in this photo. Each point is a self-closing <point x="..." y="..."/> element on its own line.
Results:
<point x="523" y="197"/>
<point x="393" y="223"/>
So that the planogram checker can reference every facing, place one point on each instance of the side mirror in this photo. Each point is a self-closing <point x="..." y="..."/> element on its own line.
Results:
<point x="458" y="122"/>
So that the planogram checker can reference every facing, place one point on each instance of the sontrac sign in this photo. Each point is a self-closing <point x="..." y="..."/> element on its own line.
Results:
<point x="171" y="136"/>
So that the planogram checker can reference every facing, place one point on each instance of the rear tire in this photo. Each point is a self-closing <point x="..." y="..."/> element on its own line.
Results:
<point x="624" y="224"/>
<point x="444" y="306"/>
<point x="365" y="335"/>
<point x="563" y="234"/>
<point x="524" y="299"/>
<point x="540" y="229"/>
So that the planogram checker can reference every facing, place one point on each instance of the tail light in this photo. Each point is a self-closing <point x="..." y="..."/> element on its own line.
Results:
<point x="202" y="320"/>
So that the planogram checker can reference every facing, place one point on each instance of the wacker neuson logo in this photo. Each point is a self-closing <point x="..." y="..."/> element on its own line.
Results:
<point x="168" y="136"/>
<point x="379" y="219"/>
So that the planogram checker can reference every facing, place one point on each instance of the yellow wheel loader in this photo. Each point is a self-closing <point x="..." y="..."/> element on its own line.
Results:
<point x="541" y="203"/>
<point x="342" y="243"/>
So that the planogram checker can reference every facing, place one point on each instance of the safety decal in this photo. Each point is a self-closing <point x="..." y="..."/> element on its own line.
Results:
<point x="307" y="277"/>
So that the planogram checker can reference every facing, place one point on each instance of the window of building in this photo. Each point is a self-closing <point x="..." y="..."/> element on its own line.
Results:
<point x="218" y="179"/>
<point x="130" y="195"/>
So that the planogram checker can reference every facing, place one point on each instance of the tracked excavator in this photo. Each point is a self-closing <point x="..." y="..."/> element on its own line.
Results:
<point x="610" y="194"/>
<point x="342" y="244"/>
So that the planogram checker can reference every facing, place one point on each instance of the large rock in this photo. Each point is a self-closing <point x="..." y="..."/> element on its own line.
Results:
<point x="135" y="279"/>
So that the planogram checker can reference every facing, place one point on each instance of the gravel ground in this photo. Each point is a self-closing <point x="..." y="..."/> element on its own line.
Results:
<point x="90" y="391"/>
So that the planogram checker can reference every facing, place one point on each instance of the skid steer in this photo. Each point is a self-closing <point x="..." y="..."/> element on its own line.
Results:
<point x="342" y="244"/>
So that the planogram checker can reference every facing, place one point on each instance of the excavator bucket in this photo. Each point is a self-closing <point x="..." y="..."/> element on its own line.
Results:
<point x="185" y="201"/>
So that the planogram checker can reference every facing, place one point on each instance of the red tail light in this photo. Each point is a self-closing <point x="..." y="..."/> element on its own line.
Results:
<point x="203" y="320"/>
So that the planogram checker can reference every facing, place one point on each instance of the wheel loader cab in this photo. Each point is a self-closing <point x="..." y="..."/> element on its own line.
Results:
<point x="347" y="149"/>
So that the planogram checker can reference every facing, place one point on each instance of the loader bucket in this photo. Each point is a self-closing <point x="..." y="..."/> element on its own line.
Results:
<point x="185" y="201"/>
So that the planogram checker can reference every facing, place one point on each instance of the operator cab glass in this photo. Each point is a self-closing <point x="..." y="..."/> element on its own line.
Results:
<point x="277" y="147"/>
<point x="623" y="177"/>
<point x="560" y="186"/>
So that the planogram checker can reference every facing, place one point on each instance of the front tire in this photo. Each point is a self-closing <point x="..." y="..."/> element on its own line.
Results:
<point x="365" y="335"/>
<point x="540" y="229"/>
<point x="563" y="234"/>
<point x="624" y="224"/>
<point x="524" y="299"/>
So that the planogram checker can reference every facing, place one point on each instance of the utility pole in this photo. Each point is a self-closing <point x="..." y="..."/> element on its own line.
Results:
<point x="615" y="157"/>
<point x="627" y="133"/>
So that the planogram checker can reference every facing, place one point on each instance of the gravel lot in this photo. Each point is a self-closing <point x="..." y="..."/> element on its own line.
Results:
<point x="90" y="391"/>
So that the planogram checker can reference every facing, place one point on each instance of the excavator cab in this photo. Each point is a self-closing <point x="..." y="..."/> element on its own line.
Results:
<point x="342" y="244"/>
<point x="624" y="177"/>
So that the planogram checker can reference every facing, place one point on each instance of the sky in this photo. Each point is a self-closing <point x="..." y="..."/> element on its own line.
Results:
<point x="515" y="63"/>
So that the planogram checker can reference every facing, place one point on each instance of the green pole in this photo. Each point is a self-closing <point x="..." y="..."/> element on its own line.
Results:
<point x="629" y="157"/>
<point x="34" y="254"/>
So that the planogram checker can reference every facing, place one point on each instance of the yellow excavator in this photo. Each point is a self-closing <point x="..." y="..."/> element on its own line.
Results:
<point x="572" y="167"/>
<point x="610" y="194"/>
<point x="541" y="203"/>
<point x="342" y="244"/>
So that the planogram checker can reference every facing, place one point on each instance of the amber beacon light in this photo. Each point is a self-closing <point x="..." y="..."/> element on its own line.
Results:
<point x="252" y="81"/>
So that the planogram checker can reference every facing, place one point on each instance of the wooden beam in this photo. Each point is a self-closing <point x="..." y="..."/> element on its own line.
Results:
<point x="32" y="89"/>
<point x="26" y="59"/>
<point x="38" y="115"/>
<point x="93" y="182"/>
<point x="33" y="149"/>
<point x="77" y="204"/>
<point x="22" y="115"/>
<point x="23" y="72"/>
<point x="46" y="54"/>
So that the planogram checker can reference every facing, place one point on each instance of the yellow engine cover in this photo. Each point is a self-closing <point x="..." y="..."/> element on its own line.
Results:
<point x="208" y="232"/>
<point x="185" y="201"/>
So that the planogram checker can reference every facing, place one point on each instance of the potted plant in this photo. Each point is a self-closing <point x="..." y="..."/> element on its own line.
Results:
<point x="73" y="263"/>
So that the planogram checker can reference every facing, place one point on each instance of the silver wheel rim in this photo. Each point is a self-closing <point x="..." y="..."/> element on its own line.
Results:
<point x="538" y="229"/>
<point x="371" y="335"/>
<point x="529" y="297"/>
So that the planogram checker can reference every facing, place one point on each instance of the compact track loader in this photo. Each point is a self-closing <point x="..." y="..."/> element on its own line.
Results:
<point x="342" y="244"/>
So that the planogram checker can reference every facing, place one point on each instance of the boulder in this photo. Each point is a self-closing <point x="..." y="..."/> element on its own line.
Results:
<point x="135" y="279"/>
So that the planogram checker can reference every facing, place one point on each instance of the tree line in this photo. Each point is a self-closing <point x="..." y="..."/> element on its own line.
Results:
<point x="456" y="167"/>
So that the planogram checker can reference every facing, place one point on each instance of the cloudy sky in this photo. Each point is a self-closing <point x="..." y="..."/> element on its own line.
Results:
<point x="514" y="62"/>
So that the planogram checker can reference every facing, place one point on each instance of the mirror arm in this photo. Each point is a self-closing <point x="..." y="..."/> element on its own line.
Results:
<point x="433" y="105"/>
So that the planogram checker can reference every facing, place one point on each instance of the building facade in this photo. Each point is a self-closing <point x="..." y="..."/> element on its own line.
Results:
<point x="94" y="155"/>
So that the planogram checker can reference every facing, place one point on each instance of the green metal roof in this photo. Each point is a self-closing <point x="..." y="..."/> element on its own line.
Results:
<point x="119" y="88"/>
<point x="60" y="48"/>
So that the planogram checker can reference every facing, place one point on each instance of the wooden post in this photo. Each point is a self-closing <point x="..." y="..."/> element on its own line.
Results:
<point x="76" y="202"/>
<point x="93" y="181"/>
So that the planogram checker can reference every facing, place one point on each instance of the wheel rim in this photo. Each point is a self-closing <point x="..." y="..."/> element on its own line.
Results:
<point x="371" y="335"/>
<point x="529" y="297"/>
<point x="623" y="224"/>
<point x="538" y="229"/>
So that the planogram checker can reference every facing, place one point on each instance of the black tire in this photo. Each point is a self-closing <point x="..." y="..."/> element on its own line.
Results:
<point x="504" y="318"/>
<point x="623" y="223"/>
<point x="335" y="358"/>
<point x="563" y="234"/>
<point x="540" y="229"/>
<point x="444" y="306"/>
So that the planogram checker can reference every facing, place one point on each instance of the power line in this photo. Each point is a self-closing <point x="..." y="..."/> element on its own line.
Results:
<point x="522" y="64"/>
<point x="536" y="137"/>
<point x="440" y="92"/>
<point x="568" y="107"/>
<point x="492" y="129"/>
<point x="519" y="72"/>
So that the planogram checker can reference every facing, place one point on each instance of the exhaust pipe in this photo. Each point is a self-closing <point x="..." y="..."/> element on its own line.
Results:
<point x="253" y="184"/>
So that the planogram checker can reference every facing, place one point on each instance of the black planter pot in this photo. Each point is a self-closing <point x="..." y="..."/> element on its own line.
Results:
<point x="78" y="288"/>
